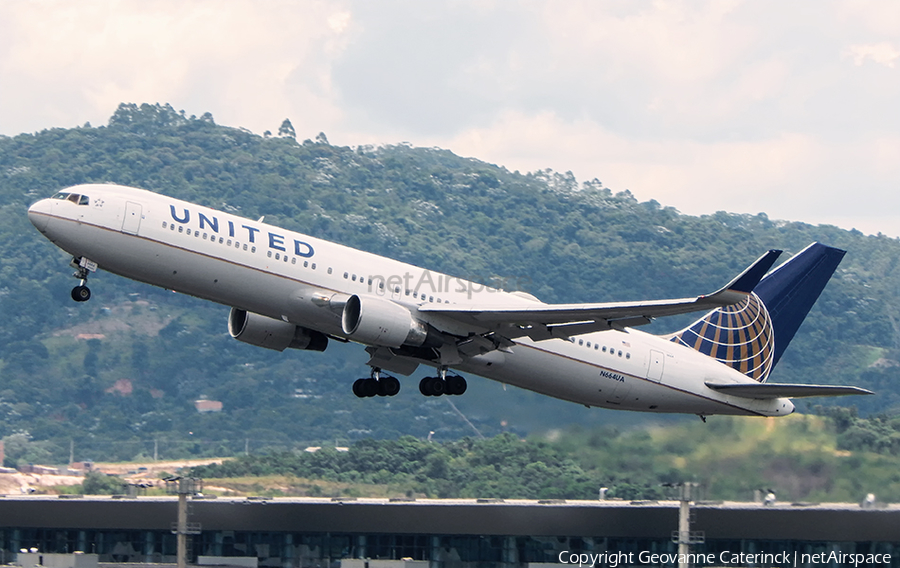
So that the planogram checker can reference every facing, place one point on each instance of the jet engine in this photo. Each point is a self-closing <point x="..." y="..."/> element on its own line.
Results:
<point x="375" y="321"/>
<point x="263" y="331"/>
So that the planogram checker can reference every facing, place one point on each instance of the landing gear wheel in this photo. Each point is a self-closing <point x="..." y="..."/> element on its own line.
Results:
<point x="434" y="386"/>
<point x="369" y="387"/>
<point x="358" y="388"/>
<point x="81" y="293"/>
<point x="388" y="386"/>
<point x="456" y="385"/>
<point x="446" y="384"/>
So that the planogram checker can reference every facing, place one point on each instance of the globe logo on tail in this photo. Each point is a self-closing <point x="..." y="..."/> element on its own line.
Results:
<point x="740" y="336"/>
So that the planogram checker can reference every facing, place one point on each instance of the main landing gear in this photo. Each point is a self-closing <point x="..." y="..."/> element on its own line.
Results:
<point x="83" y="267"/>
<point x="376" y="385"/>
<point x="443" y="384"/>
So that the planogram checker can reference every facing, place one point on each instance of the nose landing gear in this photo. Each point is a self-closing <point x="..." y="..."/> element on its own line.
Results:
<point x="81" y="293"/>
<point x="83" y="267"/>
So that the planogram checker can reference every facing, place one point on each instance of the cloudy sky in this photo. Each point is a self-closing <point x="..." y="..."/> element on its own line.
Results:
<point x="787" y="108"/>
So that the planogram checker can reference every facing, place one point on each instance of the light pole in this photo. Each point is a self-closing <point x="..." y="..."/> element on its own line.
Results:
<point x="684" y="537"/>
<point x="183" y="487"/>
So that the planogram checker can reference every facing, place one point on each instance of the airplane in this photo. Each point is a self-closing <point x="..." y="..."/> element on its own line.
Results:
<point x="290" y="290"/>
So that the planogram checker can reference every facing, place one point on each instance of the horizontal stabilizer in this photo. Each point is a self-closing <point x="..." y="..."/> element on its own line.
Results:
<point x="769" y="390"/>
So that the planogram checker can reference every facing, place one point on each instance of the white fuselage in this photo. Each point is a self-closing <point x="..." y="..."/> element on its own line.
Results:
<point x="284" y="275"/>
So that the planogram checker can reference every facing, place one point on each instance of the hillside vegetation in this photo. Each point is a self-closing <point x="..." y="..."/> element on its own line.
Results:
<point x="119" y="374"/>
<point x="836" y="458"/>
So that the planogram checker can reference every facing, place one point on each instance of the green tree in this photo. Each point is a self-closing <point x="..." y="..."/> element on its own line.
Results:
<point x="286" y="130"/>
<point x="96" y="483"/>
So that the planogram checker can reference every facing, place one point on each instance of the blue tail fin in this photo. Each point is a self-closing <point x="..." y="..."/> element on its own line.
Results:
<point x="752" y="335"/>
<point x="790" y="291"/>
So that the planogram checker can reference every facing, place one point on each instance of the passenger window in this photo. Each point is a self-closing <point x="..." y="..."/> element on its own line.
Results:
<point x="172" y="226"/>
<point x="430" y="298"/>
<point x="354" y="278"/>
<point x="181" y="229"/>
<point x="604" y="348"/>
<point x="596" y="347"/>
<point x="252" y="249"/>
<point x="164" y="224"/>
<point x="189" y="232"/>
<point x="580" y="342"/>
<point x="314" y="266"/>
<point x="305" y="264"/>
<point x="329" y="270"/>
<point x="204" y="236"/>
<point x="221" y="240"/>
<point x="628" y="355"/>
<point x="294" y="260"/>
<point x="407" y="292"/>
<point x="620" y="352"/>
<point x="347" y="275"/>
<point x="228" y="243"/>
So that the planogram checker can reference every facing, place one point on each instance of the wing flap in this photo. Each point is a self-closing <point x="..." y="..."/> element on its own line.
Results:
<point x="775" y="390"/>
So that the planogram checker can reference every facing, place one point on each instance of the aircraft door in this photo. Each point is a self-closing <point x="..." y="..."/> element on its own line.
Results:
<point x="657" y="362"/>
<point x="132" y="221"/>
<point x="620" y="392"/>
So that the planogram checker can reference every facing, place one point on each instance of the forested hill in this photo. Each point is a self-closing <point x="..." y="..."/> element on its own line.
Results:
<point x="124" y="369"/>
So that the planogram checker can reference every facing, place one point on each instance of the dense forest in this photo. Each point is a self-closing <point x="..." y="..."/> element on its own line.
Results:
<point x="117" y="377"/>
<point x="837" y="457"/>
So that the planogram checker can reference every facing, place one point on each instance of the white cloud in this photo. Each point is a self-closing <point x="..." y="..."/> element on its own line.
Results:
<point x="234" y="59"/>
<point x="746" y="106"/>
<point x="791" y="176"/>
<point x="883" y="53"/>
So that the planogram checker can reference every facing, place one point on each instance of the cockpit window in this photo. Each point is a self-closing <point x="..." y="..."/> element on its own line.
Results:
<point x="75" y="198"/>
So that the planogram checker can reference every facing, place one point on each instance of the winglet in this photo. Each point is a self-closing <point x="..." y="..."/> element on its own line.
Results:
<point x="746" y="281"/>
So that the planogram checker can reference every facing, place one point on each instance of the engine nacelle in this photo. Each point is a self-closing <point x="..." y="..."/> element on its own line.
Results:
<point x="263" y="331"/>
<point x="374" y="321"/>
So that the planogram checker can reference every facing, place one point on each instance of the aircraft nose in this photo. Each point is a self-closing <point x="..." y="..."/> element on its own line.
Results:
<point x="39" y="214"/>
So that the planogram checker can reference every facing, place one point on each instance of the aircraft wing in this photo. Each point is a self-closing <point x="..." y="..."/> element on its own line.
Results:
<point x="544" y="321"/>
<point x="768" y="390"/>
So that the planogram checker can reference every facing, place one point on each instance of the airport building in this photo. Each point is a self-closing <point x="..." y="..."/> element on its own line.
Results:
<point x="485" y="533"/>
